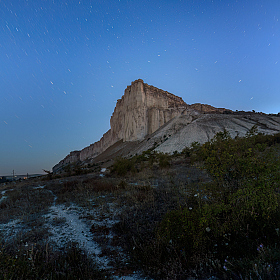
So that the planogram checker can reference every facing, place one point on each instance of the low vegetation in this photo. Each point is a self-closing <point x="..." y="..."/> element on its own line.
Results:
<point x="41" y="262"/>
<point x="229" y="227"/>
<point x="210" y="211"/>
<point x="136" y="164"/>
<point x="23" y="202"/>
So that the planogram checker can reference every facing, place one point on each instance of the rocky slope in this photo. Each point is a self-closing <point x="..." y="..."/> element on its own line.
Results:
<point x="147" y="117"/>
<point x="141" y="111"/>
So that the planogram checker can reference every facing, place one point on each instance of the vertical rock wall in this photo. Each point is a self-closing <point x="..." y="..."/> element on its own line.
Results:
<point x="141" y="111"/>
<point x="129" y="117"/>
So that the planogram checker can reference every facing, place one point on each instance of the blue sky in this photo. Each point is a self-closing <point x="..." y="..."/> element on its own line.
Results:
<point x="63" y="65"/>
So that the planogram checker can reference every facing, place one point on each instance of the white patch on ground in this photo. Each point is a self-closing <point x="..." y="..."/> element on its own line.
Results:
<point x="72" y="229"/>
<point x="10" y="229"/>
<point x="3" y="196"/>
<point x="73" y="224"/>
<point x="70" y="224"/>
<point x="39" y="187"/>
<point x="102" y="171"/>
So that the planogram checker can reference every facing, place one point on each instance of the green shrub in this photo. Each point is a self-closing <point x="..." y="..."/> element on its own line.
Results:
<point x="122" y="165"/>
<point x="181" y="228"/>
<point x="238" y="211"/>
<point x="186" y="151"/>
<point x="163" y="160"/>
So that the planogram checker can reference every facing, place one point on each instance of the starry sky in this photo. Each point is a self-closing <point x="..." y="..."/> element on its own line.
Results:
<point x="63" y="65"/>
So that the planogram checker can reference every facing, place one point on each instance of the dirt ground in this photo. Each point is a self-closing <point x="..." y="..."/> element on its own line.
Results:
<point x="87" y="209"/>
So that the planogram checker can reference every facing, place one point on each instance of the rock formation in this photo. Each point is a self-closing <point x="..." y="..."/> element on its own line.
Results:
<point x="141" y="111"/>
<point x="146" y="117"/>
<point x="208" y="109"/>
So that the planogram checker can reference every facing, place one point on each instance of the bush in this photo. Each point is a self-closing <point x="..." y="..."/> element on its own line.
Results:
<point x="122" y="165"/>
<point x="231" y="217"/>
<point x="163" y="160"/>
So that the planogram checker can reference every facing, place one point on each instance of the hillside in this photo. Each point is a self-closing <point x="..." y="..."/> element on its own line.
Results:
<point x="209" y="212"/>
<point x="147" y="117"/>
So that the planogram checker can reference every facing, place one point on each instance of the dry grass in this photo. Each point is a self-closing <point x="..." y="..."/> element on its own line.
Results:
<point x="79" y="190"/>
<point x="42" y="262"/>
<point x="138" y="200"/>
<point x="22" y="201"/>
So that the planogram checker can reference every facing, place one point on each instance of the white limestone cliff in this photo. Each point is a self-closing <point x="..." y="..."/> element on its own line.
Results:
<point x="147" y="117"/>
<point x="140" y="112"/>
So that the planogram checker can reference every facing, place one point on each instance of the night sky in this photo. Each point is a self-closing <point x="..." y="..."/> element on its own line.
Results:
<point x="63" y="65"/>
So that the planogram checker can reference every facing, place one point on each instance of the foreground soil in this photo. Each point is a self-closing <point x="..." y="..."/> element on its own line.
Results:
<point x="89" y="211"/>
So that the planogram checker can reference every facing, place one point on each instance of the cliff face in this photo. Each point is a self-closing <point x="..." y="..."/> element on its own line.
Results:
<point x="145" y="110"/>
<point x="140" y="112"/>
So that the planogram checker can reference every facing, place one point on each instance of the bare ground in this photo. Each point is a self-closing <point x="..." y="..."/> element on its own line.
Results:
<point x="87" y="210"/>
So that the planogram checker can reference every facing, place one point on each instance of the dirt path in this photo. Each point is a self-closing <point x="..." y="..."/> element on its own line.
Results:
<point x="70" y="224"/>
<point x="91" y="230"/>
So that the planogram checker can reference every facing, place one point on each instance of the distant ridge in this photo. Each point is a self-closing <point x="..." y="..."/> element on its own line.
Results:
<point x="147" y="117"/>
